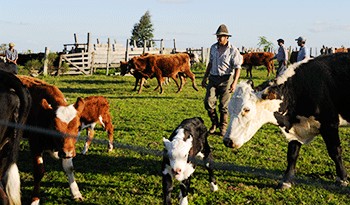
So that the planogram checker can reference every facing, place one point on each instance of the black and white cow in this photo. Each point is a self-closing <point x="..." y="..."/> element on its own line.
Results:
<point x="187" y="141"/>
<point x="309" y="98"/>
<point x="15" y="102"/>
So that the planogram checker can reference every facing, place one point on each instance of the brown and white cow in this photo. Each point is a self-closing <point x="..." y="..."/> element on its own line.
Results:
<point x="15" y="102"/>
<point x="257" y="59"/>
<point x="51" y="112"/>
<point x="96" y="111"/>
<point x="164" y="65"/>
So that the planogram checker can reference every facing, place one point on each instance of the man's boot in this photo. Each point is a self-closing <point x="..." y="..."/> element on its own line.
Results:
<point x="223" y="123"/>
<point x="214" y="120"/>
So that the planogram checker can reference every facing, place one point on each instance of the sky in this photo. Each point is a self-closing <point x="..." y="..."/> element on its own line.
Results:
<point x="36" y="24"/>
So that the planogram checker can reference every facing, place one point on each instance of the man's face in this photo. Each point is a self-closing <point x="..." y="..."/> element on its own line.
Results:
<point x="222" y="40"/>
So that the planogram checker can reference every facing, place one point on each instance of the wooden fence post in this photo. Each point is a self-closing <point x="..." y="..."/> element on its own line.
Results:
<point x="161" y="46"/>
<point x="127" y="50"/>
<point x="46" y="61"/>
<point x="108" y="52"/>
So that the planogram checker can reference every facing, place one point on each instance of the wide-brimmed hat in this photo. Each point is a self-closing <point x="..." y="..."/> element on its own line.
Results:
<point x="11" y="44"/>
<point x="301" y="38"/>
<point x="222" y="31"/>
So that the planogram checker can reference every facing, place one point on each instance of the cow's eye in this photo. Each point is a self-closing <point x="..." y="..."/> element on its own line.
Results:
<point x="246" y="110"/>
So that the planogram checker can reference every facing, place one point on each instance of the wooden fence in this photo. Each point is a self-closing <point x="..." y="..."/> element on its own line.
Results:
<point x="86" y="58"/>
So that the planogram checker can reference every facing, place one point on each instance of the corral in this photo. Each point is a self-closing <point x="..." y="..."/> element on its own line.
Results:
<point x="132" y="173"/>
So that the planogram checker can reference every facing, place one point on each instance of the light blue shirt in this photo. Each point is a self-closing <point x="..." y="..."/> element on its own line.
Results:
<point x="12" y="55"/>
<point x="225" y="63"/>
<point x="303" y="53"/>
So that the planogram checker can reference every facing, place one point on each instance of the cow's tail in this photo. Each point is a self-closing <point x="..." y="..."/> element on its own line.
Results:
<point x="13" y="184"/>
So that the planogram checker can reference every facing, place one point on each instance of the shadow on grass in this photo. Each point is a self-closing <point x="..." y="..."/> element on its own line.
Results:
<point x="140" y="165"/>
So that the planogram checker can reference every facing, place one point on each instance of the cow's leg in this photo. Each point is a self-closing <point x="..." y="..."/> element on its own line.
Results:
<point x="192" y="77"/>
<point x="330" y="135"/>
<point x="12" y="184"/>
<point x="184" y="189"/>
<point x="67" y="165"/>
<point x="179" y="87"/>
<point x="208" y="160"/>
<point x="38" y="165"/>
<point x="167" y="183"/>
<point x="292" y="156"/>
<point x="141" y="84"/>
<point x="160" y="80"/>
<point x="4" y="200"/>
<point x="90" y="135"/>
<point x="109" y="129"/>
<point x="136" y="83"/>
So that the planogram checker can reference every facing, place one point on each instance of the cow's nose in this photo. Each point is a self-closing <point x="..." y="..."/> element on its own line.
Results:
<point x="228" y="142"/>
<point x="177" y="171"/>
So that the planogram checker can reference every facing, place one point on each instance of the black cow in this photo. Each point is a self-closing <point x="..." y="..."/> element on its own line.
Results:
<point x="318" y="90"/>
<point x="187" y="141"/>
<point x="15" y="102"/>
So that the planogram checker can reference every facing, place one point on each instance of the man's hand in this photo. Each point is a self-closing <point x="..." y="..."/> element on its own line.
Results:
<point x="232" y="88"/>
<point x="204" y="82"/>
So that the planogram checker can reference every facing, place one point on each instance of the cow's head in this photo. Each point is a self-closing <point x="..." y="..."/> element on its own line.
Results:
<point x="66" y="120"/>
<point x="178" y="151"/>
<point x="249" y="111"/>
<point x="124" y="68"/>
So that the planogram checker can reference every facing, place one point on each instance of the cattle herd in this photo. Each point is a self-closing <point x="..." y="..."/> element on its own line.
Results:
<point x="307" y="99"/>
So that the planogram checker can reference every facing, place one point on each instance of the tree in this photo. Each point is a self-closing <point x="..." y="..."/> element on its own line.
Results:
<point x="263" y="42"/>
<point x="142" y="31"/>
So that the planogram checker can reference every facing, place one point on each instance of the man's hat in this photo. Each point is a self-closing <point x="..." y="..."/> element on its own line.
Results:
<point x="222" y="31"/>
<point x="302" y="39"/>
<point x="280" y="40"/>
<point x="11" y="44"/>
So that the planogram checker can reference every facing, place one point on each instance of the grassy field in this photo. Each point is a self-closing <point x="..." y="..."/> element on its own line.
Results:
<point x="131" y="174"/>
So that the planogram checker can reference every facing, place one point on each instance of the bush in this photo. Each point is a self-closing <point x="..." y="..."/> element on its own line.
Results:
<point x="33" y="65"/>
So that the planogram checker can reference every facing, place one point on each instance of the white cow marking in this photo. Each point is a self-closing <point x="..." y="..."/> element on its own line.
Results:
<point x="66" y="113"/>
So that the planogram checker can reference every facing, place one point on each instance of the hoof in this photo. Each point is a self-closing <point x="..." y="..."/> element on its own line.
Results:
<point x="213" y="186"/>
<point x="78" y="198"/>
<point x="284" y="185"/>
<point x="342" y="183"/>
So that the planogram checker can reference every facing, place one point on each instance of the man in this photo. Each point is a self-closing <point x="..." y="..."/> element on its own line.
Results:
<point x="223" y="72"/>
<point x="11" y="58"/>
<point x="281" y="56"/>
<point x="303" y="53"/>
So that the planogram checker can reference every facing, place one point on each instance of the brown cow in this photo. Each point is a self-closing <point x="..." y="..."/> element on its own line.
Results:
<point x="164" y="65"/>
<point x="96" y="111"/>
<point x="257" y="59"/>
<point x="61" y="123"/>
<point x="138" y="76"/>
<point x="341" y="50"/>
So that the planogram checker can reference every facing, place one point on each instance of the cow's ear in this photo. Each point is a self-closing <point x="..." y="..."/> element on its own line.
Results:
<point x="79" y="105"/>
<point x="45" y="104"/>
<point x="251" y="83"/>
<point x="190" y="139"/>
<point x="166" y="143"/>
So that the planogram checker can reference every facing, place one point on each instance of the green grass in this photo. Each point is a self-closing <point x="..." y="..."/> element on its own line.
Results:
<point x="133" y="176"/>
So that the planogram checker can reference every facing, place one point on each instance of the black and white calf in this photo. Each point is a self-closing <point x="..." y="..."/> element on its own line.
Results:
<point x="309" y="98"/>
<point x="187" y="141"/>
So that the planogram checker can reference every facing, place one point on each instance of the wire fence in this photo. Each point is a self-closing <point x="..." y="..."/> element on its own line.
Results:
<point x="223" y="166"/>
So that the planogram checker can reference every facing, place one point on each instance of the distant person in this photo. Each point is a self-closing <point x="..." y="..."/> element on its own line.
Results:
<point x="281" y="56"/>
<point x="303" y="53"/>
<point x="223" y="72"/>
<point x="11" y="59"/>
